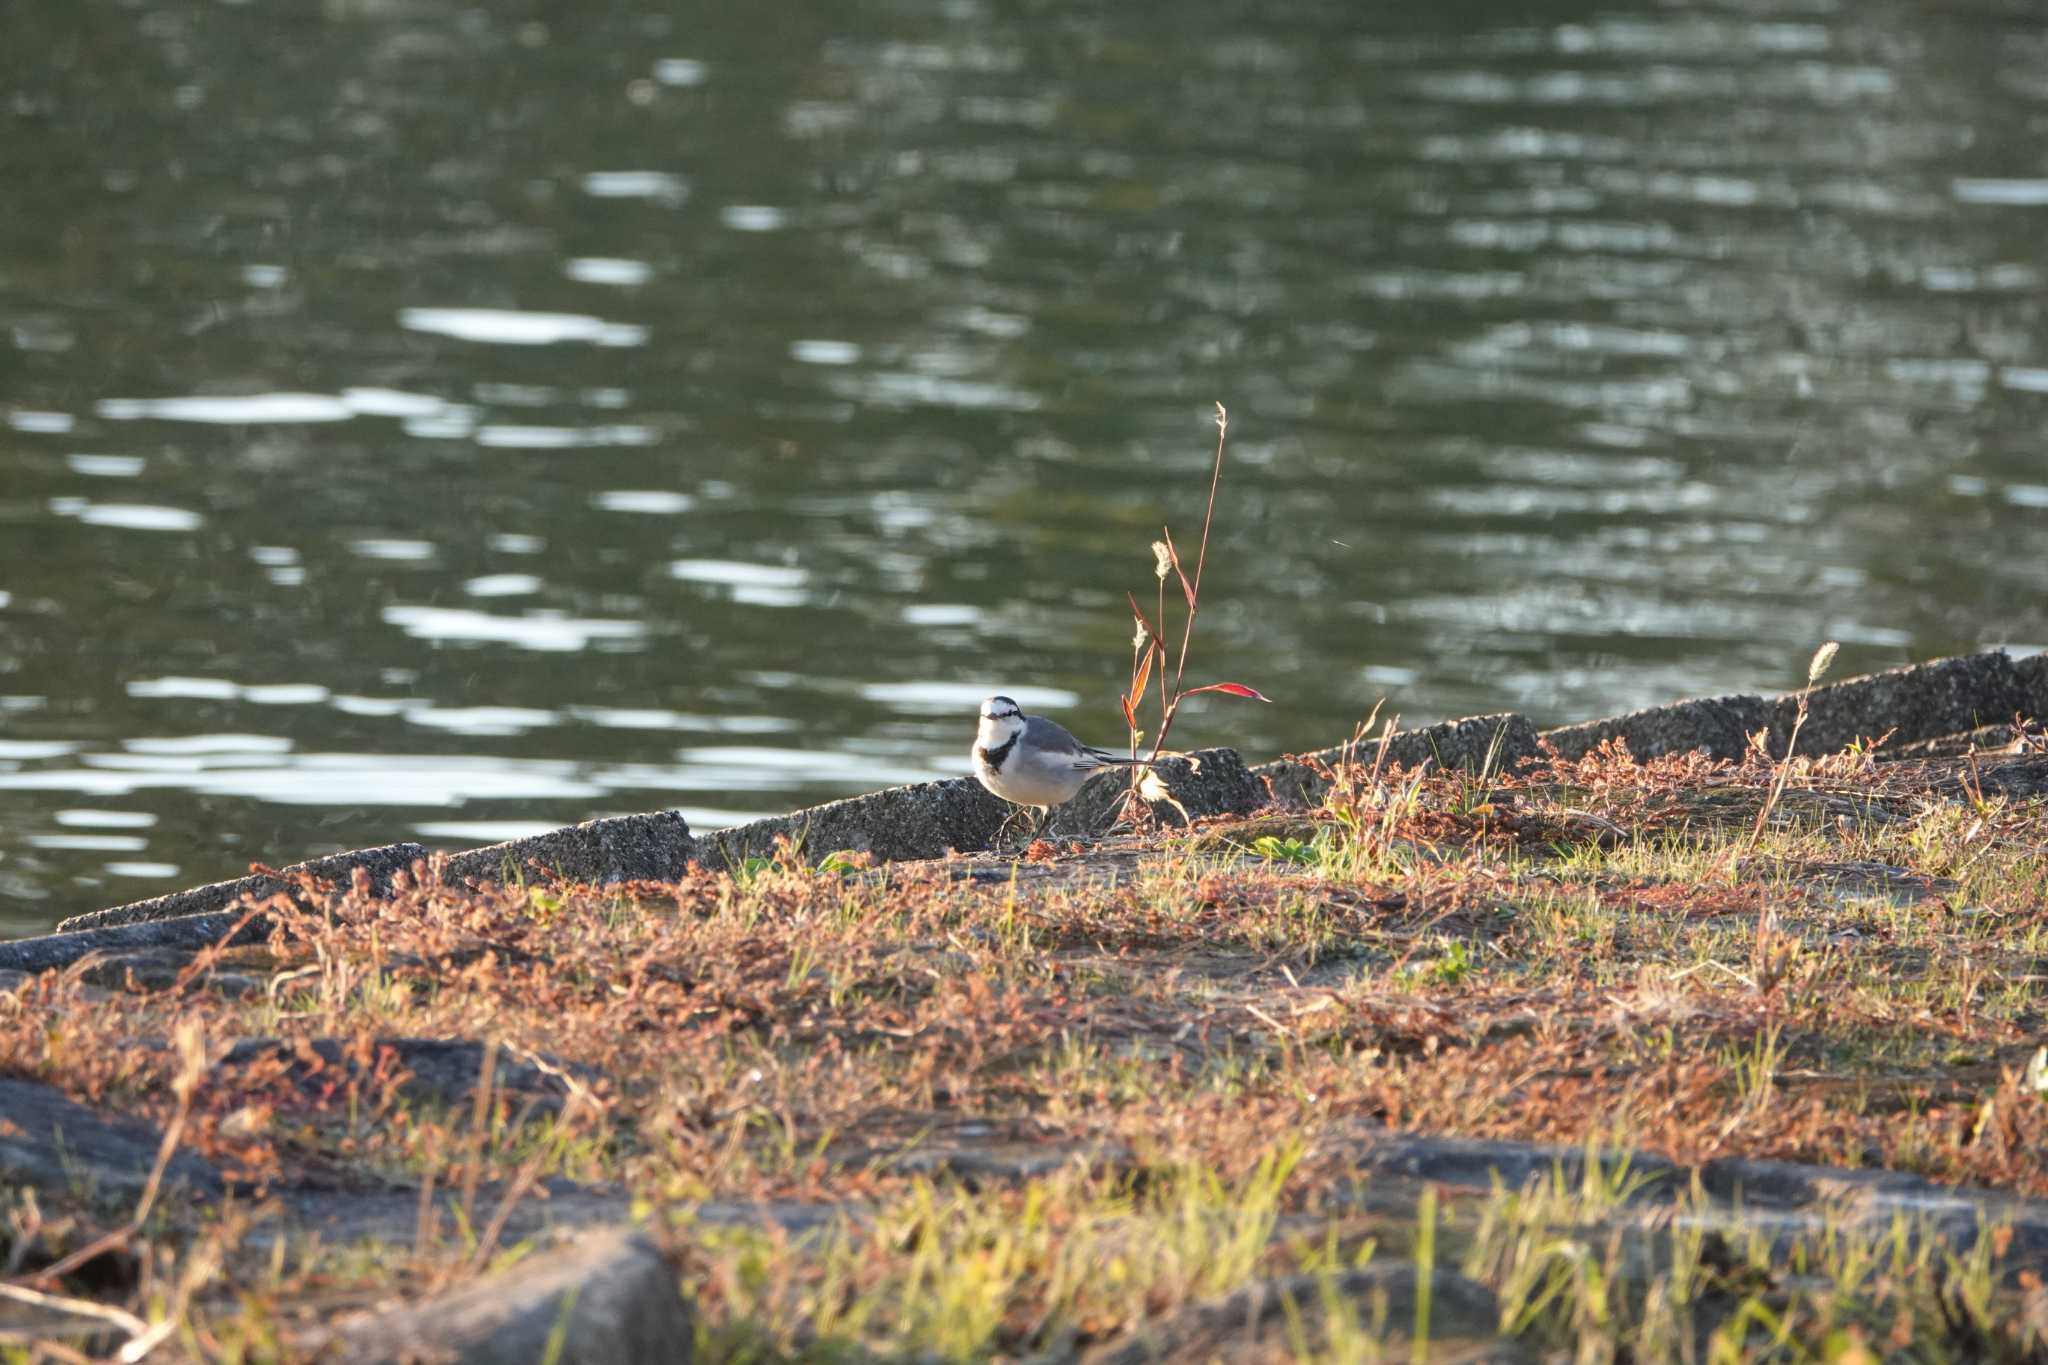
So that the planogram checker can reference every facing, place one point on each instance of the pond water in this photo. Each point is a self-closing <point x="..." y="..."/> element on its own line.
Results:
<point x="444" y="421"/>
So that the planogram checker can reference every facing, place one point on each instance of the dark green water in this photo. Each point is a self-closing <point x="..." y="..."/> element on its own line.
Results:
<point x="431" y="420"/>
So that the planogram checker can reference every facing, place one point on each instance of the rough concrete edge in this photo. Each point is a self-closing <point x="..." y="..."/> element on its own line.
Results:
<point x="1914" y="702"/>
<point x="1205" y="782"/>
<point x="921" y="820"/>
<point x="932" y="819"/>
<point x="182" y="933"/>
<point x="2032" y="672"/>
<point x="1720" y="726"/>
<point x="379" y="862"/>
<point x="652" y="846"/>
<point x="1496" y="742"/>
<point x="607" y="1296"/>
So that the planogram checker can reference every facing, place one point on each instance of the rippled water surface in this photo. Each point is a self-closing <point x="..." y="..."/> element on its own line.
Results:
<point x="443" y="421"/>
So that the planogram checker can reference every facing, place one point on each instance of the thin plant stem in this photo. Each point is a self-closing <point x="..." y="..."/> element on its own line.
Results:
<point x="1180" y="667"/>
<point x="1823" y="658"/>
<point x="1187" y="634"/>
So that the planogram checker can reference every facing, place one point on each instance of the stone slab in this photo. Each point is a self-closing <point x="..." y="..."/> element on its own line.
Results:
<point x="186" y="935"/>
<point x="441" y="1070"/>
<point x="1502" y="740"/>
<point x="1208" y="782"/>
<point x="606" y="1298"/>
<point x="1918" y="702"/>
<point x="1720" y="726"/>
<point x="932" y="819"/>
<point x="554" y="1208"/>
<point x="380" y="863"/>
<point x="653" y="847"/>
<point x="2032" y="673"/>
<point x="54" y="1143"/>
<point x="155" y="969"/>
<point x="1752" y="1189"/>
<point x="923" y="820"/>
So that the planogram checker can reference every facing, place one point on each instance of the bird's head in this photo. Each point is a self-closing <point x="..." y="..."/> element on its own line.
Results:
<point x="1000" y="718"/>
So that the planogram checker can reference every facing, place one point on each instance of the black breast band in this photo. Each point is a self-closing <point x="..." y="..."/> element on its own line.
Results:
<point x="994" y="757"/>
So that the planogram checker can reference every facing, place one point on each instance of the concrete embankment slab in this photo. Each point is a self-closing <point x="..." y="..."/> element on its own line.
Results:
<point x="1721" y="726"/>
<point x="1495" y="743"/>
<point x="653" y="847"/>
<point x="1921" y="701"/>
<point x="932" y="819"/>
<point x="1911" y="704"/>
<point x="377" y="863"/>
<point x="186" y="934"/>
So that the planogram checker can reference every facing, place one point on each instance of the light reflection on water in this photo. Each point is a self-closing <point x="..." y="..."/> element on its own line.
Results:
<point x="471" y="427"/>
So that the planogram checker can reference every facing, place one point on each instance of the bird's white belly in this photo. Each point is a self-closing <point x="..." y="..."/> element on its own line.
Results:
<point x="1030" y="785"/>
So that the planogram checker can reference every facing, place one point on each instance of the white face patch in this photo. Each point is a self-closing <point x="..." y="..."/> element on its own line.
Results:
<point x="1000" y="708"/>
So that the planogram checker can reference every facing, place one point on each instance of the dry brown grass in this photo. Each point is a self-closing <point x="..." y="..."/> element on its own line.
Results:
<point x="1584" y="953"/>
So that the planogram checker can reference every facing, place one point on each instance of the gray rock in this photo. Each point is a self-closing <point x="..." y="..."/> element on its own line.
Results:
<point x="443" y="1070"/>
<point x="185" y="935"/>
<point x="1479" y="1162"/>
<point x="1269" y="1320"/>
<point x="1496" y="743"/>
<point x="1916" y="703"/>
<point x="53" y="1143"/>
<point x="2032" y="673"/>
<point x="1985" y="739"/>
<point x="1788" y="1184"/>
<point x="653" y="847"/>
<point x="2026" y="775"/>
<point x="554" y="1208"/>
<point x="155" y="969"/>
<point x="380" y="863"/>
<point x="932" y="819"/>
<point x="1787" y="1199"/>
<point x="606" y="1298"/>
<point x="1208" y="782"/>
<point x="924" y="820"/>
<point x="1922" y="701"/>
<point x="1721" y="726"/>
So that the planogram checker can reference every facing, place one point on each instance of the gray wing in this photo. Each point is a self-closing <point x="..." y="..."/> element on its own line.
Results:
<point x="1051" y="738"/>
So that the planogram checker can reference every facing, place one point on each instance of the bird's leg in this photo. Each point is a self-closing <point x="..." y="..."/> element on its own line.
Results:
<point x="1044" y="819"/>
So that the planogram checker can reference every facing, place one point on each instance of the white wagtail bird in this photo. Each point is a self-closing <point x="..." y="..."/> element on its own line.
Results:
<point x="1031" y="761"/>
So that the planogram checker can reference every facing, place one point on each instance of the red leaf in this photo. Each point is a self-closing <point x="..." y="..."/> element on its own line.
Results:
<point x="1234" y="689"/>
<point x="1130" y="713"/>
<point x="1186" y="588"/>
<point x="1144" y="671"/>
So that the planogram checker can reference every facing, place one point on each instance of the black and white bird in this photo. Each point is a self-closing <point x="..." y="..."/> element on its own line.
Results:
<point x="1031" y="761"/>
